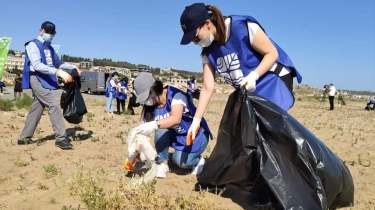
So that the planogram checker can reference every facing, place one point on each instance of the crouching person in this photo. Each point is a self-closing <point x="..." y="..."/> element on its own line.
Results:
<point x="168" y="111"/>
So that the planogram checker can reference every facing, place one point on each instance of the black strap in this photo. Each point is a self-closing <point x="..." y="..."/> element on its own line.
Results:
<point x="278" y="69"/>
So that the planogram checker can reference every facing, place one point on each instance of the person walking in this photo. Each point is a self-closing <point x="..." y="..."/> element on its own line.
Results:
<point x="331" y="96"/>
<point x="41" y="67"/>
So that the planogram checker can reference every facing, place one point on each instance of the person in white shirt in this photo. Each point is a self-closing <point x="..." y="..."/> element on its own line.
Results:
<point x="370" y="102"/>
<point x="331" y="94"/>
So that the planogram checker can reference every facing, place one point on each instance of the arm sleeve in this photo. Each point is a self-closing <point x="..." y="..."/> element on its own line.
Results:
<point x="33" y="52"/>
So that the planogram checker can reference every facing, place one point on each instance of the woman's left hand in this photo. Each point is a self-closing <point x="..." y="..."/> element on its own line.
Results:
<point x="146" y="128"/>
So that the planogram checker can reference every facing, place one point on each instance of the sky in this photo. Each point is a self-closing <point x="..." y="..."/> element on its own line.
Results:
<point x="328" y="41"/>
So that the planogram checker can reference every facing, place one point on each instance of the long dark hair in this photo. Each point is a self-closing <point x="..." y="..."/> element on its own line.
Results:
<point x="217" y="18"/>
<point x="148" y="111"/>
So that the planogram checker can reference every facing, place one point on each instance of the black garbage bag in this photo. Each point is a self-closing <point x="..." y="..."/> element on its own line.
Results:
<point x="72" y="102"/>
<point x="132" y="103"/>
<point x="196" y="94"/>
<point x="279" y="159"/>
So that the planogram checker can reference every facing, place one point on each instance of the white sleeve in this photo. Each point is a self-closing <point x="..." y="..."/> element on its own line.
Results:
<point x="252" y="28"/>
<point x="180" y="98"/>
<point x="112" y="83"/>
<point x="205" y="59"/>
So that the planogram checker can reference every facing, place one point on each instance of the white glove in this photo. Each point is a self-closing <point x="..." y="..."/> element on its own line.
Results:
<point x="146" y="128"/>
<point x="193" y="130"/>
<point x="250" y="81"/>
<point x="78" y="71"/>
<point x="65" y="77"/>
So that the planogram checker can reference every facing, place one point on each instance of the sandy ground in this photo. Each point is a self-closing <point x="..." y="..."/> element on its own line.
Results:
<point x="99" y="145"/>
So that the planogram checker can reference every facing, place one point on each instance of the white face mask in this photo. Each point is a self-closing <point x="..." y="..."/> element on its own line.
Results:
<point x="206" y="41"/>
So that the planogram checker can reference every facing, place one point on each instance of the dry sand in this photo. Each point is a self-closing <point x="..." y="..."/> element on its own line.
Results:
<point x="99" y="145"/>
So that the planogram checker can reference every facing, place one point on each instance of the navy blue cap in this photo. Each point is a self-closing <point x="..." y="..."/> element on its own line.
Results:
<point x="48" y="26"/>
<point x="191" y="18"/>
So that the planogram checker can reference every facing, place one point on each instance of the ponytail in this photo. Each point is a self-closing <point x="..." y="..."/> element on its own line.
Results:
<point x="217" y="18"/>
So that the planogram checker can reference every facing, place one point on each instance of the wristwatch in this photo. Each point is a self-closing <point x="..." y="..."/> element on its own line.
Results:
<point x="158" y="123"/>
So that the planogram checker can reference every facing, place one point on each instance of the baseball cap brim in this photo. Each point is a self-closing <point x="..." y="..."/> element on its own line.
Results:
<point x="188" y="37"/>
<point x="142" y="97"/>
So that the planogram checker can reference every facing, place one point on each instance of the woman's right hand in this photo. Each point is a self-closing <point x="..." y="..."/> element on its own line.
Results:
<point x="204" y="97"/>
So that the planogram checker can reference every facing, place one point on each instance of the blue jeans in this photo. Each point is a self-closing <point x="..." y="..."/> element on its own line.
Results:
<point x="163" y="140"/>
<point x="110" y="103"/>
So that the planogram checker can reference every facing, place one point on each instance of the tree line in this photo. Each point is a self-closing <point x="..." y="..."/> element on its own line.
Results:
<point x="120" y="64"/>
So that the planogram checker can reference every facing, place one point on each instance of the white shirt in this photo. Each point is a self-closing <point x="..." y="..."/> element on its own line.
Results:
<point x="252" y="29"/>
<point x="332" y="91"/>
<point x="180" y="98"/>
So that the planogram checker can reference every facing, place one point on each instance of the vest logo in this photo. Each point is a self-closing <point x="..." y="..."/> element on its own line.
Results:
<point x="179" y="130"/>
<point x="229" y="67"/>
<point x="48" y="55"/>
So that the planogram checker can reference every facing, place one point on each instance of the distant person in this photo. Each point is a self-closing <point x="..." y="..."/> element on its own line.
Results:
<point x="17" y="86"/>
<point x="370" y="102"/>
<point x="239" y="50"/>
<point x="121" y="94"/>
<point x="41" y="67"/>
<point x="111" y="87"/>
<point x="191" y="85"/>
<point x="331" y="95"/>
<point x="167" y="112"/>
<point x="2" y="85"/>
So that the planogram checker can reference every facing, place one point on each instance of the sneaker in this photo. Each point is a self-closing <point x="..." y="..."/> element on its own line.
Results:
<point x="26" y="141"/>
<point x="209" y="188"/>
<point x="64" y="144"/>
<point x="162" y="171"/>
<point x="130" y="164"/>
<point x="199" y="167"/>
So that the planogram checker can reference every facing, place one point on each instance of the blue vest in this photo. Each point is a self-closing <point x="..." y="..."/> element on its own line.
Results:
<point x="109" y="89"/>
<point x="47" y="53"/>
<point x="180" y="132"/>
<point x="236" y="59"/>
<point x="191" y="86"/>
<point x="120" y="95"/>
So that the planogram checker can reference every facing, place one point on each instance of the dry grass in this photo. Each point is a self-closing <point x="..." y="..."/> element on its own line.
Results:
<point x="92" y="175"/>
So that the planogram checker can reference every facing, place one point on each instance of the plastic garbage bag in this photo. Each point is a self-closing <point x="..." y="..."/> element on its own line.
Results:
<point x="147" y="154"/>
<point x="74" y="106"/>
<point x="262" y="149"/>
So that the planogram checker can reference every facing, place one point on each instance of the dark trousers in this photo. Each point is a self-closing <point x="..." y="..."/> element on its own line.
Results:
<point x="122" y="102"/>
<point x="331" y="102"/>
<point x="1" y="89"/>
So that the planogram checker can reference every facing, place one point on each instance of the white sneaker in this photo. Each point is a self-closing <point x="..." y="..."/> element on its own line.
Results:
<point x="1" y="94"/>
<point x="199" y="167"/>
<point x="162" y="170"/>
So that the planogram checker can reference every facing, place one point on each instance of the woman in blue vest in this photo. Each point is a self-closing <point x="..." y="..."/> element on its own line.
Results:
<point x="238" y="49"/>
<point x="168" y="111"/>
<point x="191" y="85"/>
<point x="121" y="94"/>
<point x="109" y="92"/>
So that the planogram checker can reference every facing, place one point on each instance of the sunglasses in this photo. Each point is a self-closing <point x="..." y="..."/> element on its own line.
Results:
<point x="195" y="38"/>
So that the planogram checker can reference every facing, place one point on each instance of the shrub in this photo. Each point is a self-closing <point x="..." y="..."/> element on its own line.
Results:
<point x="24" y="102"/>
<point x="6" y="105"/>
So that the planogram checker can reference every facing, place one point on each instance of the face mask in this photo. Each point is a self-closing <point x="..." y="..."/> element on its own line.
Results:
<point x="47" y="37"/>
<point x="206" y="41"/>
